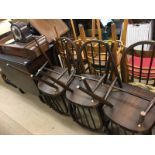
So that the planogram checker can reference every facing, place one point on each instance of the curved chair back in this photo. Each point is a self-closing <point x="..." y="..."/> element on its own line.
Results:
<point x="138" y="63"/>
<point x="67" y="51"/>
<point x="96" y="54"/>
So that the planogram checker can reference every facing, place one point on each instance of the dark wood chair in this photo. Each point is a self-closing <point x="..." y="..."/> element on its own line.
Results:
<point x="138" y="63"/>
<point x="88" y="96"/>
<point x="58" y="77"/>
<point x="67" y="52"/>
<point x="133" y="109"/>
<point x="95" y="54"/>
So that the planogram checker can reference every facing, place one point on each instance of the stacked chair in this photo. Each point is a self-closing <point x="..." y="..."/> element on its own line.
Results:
<point x="80" y="82"/>
<point x="118" y="44"/>
<point x="88" y="86"/>
<point x="84" y="88"/>
<point x="139" y="63"/>
<point x="133" y="111"/>
<point x="82" y="35"/>
<point x="57" y="78"/>
<point x="88" y="97"/>
<point x="95" y="53"/>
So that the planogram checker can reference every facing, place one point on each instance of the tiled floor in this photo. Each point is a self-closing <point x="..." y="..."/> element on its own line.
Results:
<point x="26" y="114"/>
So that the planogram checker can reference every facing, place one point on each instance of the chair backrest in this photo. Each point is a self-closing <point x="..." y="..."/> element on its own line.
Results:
<point x="95" y="54"/>
<point x="98" y="58"/>
<point x="67" y="50"/>
<point x="138" y="63"/>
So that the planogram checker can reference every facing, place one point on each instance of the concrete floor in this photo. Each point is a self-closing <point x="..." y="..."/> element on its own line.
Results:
<point x="26" y="114"/>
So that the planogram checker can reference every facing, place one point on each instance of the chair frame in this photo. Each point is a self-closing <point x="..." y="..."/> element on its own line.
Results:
<point x="143" y="113"/>
<point x="144" y="54"/>
<point x="57" y="100"/>
<point x="91" y="92"/>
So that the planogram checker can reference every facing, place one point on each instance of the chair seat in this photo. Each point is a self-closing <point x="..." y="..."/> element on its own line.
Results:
<point x="127" y="108"/>
<point x="81" y="98"/>
<point x="50" y="90"/>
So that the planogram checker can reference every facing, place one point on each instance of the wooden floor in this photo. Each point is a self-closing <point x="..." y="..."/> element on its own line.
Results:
<point x="26" y="114"/>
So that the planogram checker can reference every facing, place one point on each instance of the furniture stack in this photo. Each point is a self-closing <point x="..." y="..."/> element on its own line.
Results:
<point x="89" y="87"/>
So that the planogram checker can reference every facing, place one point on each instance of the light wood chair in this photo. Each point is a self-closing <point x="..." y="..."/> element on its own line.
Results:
<point x="95" y="27"/>
<point x="118" y="45"/>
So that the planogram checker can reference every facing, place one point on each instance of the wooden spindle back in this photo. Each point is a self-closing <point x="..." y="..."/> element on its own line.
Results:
<point x="138" y="63"/>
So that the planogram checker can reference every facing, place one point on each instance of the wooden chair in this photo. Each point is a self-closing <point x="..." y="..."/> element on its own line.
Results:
<point x="138" y="63"/>
<point x="124" y="32"/>
<point x="133" y="110"/>
<point x="57" y="78"/>
<point x="73" y="29"/>
<point x="82" y="36"/>
<point x="88" y="97"/>
<point x="118" y="45"/>
<point x="95" y="27"/>
<point x="61" y="49"/>
<point x="133" y="107"/>
<point x="95" y="54"/>
<point x="67" y="50"/>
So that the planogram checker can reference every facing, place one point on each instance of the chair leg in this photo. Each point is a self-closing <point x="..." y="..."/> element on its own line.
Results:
<point x="116" y="129"/>
<point x="149" y="132"/>
<point x="58" y="103"/>
<point x="71" y="110"/>
<point x="86" y="117"/>
<point x="42" y="99"/>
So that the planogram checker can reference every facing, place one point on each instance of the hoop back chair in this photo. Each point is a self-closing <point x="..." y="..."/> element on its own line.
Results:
<point x="57" y="78"/>
<point x="134" y="113"/>
<point x="96" y="54"/>
<point x="87" y="98"/>
<point x="67" y="50"/>
<point x="138" y="63"/>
